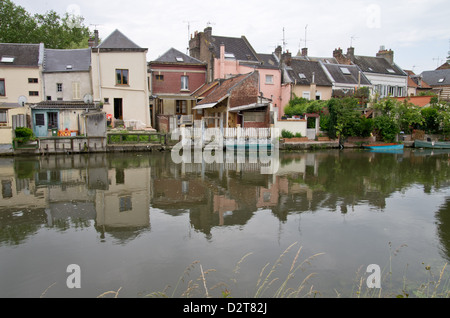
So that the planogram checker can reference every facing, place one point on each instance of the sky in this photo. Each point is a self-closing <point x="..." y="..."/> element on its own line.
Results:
<point x="418" y="31"/>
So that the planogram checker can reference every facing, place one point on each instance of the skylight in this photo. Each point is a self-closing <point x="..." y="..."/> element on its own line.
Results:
<point x="390" y="70"/>
<point x="179" y="59"/>
<point x="301" y="75"/>
<point x="440" y="80"/>
<point x="229" y="56"/>
<point x="7" y="59"/>
<point x="345" y="70"/>
<point x="68" y="67"/>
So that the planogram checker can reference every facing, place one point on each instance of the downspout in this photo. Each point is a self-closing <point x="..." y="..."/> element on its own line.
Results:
<point x="99" y="75"/>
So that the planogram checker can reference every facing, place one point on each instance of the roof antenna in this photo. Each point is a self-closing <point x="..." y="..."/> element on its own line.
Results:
<point x="351" y="40"/>
<point x="189" y="33"/>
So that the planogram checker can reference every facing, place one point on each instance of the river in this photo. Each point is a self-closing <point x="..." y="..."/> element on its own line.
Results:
<point x="144" y="226"/>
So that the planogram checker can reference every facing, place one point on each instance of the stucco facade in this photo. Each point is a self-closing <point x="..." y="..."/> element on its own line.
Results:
<point x="119" y="80"/>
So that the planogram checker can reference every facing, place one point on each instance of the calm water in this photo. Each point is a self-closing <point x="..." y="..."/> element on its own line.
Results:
<point x="139" y="222"/>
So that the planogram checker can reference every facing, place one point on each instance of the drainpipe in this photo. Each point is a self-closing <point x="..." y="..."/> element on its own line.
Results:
<point x="99" y="75"/>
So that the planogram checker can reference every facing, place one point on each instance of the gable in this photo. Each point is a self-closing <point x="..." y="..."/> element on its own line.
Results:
<point x="175" y="56"/>
<point x="118" y="41"/>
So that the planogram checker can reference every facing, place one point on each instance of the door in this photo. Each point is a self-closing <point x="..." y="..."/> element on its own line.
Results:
<point x="40" y="124"/>
<point x="118" y="108"/>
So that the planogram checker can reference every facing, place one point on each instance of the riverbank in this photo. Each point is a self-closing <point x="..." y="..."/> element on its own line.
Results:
<point x="158" y="147"/>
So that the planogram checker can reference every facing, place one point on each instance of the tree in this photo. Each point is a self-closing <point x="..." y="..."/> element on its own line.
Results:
<point x="56" y="32"/>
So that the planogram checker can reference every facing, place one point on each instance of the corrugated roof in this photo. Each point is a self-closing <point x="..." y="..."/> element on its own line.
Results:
<point x="67" y="60"/>
<point x="64" y="105"/>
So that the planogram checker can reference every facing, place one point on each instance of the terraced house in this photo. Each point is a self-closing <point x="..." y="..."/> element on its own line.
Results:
<point x="20" y="84"/>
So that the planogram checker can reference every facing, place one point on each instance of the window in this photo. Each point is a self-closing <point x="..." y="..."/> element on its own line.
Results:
<point x="125" y="204"/>
<point x="301" y="75"/>
<point x="33" y="93"/>
<point x="3" y="116"/>
<point x="6" y="59"/>
<point x="306" y="95"/>
<point x="39" y="119"/>
<point x="390" y="70"/>
<point x="181" y="107"/>
<point x="179" y="59"/>
<point x="121" y="77"/>
<point x="59" y="87"/>
<point x="269" y="79"/>
<point x="32" y="80"/>
<point x="52" y="120"/>
<point x="160" y="77"/>
<point x="2" y="87"/>
<point x="345" y="71"/>
<point x="441" y="80"/>
<point x="184" y="82"/>
<point x="76" y="90"/>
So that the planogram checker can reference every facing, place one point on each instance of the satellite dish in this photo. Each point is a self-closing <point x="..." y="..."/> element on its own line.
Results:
<point x="22" y="100"/>
<point x="88" y="99"/>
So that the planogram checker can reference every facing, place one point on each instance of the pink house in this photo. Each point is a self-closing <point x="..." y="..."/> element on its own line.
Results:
<point x="228" y="56"/>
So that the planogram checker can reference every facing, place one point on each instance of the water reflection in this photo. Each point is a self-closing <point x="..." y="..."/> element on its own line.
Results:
<point x="115" y="193"/>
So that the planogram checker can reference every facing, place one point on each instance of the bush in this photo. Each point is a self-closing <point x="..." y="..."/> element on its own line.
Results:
<point x="24" y="134"/>
<point x="286" y="134"/>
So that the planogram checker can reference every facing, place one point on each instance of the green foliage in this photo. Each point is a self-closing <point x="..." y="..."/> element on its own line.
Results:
<point x="343" y="115"/>
<point x="431" y="118"/>
<point x="299" y="106"/>
<point x="286" y="134"/>
<point x="387" y="127"/>
<point x="56" y="32"/>
<point x="24" y="134"/>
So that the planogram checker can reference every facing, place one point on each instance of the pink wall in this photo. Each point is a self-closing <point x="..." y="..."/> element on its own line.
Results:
<point x="223" y="68"/>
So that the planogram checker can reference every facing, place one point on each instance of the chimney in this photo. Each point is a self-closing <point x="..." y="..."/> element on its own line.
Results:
<point x="93" y="42"/>
<point x="305" y="51"/>
<point x="351" y="53"/>
<point x="278" y="51"/>
<point x="222" y="61"/>
<point x="286" y="58"/>
<point x="208" y="32"/>
<point x="387" y="54"/>
<point x="341" y="59"/>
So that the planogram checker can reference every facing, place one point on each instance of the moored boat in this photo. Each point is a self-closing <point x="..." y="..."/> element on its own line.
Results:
<point x="431" y="144"/>
<point x="384" y="146"/>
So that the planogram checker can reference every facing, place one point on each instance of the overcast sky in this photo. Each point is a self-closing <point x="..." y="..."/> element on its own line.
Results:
<point x="418" y="31"/>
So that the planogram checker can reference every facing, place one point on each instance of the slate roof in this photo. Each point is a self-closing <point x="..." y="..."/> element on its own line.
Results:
<point x="58" y="60"/>
<point x="266" y="61"/>
<point x="117" y="40"/>
<point x="307" y="68"/>
<point x="24" y="54"/>
<point x="437" y="77"/>
<point x="239" y="47"/>
<point x="380" y="65"/>
<point x="222" y="89"/>
<point x="339" y="75"/>
<point x="175" y="56"/>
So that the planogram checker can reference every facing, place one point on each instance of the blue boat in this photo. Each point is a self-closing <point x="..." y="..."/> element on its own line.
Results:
<point x="384" y="146"/>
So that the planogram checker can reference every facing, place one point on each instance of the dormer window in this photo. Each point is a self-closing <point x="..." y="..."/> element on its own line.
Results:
<point x="7" y="59"/>
<point x="345" y="70"/>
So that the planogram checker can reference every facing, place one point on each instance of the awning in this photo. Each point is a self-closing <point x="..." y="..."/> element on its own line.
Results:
<point x="210" y="105"/>
<point x="246" y="107"/>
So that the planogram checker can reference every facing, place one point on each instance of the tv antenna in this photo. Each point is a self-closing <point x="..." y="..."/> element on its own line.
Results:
<point x="284" y="41"/>
<point x="189" y="33"/>
<point x="353" y="37"/>
<point x="439" y="60"/>
<point x="95" y="26"/>
<point x="304" y="39"/>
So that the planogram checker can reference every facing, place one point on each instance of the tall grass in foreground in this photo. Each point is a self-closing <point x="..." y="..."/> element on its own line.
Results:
<point x="291" y="285"/>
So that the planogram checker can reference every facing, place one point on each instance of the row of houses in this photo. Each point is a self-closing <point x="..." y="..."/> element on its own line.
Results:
<point x="222" y="82"/>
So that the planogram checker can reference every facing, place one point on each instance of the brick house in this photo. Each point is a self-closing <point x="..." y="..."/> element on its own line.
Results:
<point x="236" y="102"/>
<point x="230" y="56"/>
<point x="173" y="78"/>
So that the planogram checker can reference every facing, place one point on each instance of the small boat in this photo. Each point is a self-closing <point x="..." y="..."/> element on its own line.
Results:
<point x="384" y="146"/>
<point x="431" y="144"/>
